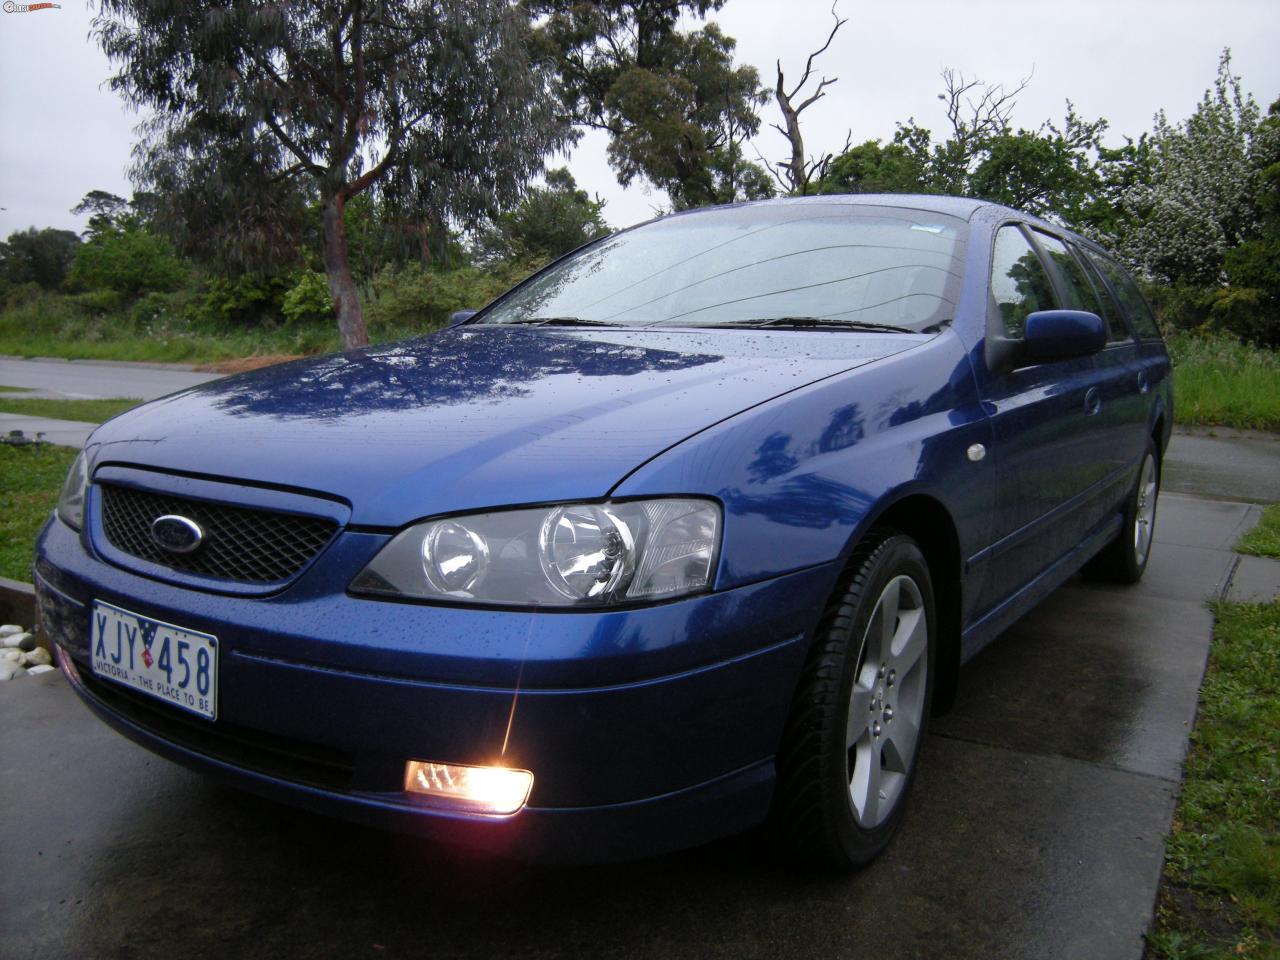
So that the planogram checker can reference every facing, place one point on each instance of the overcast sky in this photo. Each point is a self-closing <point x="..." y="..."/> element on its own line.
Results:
<point x="62" y="134"/>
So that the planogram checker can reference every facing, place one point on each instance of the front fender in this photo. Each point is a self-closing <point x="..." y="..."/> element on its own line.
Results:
<point x="802" y="477"/>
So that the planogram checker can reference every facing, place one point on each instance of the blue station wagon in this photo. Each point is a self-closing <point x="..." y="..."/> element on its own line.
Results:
<point x="691" y="530"/>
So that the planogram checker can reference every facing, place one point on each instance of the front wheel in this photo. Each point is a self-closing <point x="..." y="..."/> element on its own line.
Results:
<point x="860" y="713"/>
<point x="1124" y="559"/>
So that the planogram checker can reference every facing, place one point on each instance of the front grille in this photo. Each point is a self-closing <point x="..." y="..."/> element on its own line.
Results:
<point x="240" y="543"/>
<point x="281" y="757"/>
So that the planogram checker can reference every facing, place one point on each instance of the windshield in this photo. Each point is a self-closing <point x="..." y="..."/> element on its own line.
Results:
<point x="799" y="264"/>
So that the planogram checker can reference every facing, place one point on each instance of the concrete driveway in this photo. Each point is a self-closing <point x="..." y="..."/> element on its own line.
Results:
<point x="1035" y="829"/>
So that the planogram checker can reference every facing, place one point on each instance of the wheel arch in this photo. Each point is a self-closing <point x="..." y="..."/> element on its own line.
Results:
<point x="929" y="523"/>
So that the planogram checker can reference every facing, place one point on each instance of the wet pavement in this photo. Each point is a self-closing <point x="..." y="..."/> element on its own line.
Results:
<point x="1035" y="829"/>
<point x="1220" y="462"/>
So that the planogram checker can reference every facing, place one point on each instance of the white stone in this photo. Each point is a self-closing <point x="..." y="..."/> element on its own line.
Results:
<point x="10" y="669"/>
<point x="39" y="669"/>
<point x="22" y="641"/>
<point x="14" y="654"/>
<point x="39" y="657"/>
<point x="9" y="628"/>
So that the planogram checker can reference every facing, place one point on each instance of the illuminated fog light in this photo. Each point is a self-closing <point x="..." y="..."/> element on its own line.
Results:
<point x="481" y="789"/>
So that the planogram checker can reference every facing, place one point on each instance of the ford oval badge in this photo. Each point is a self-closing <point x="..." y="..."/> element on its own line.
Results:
<point x="176" y="534"/>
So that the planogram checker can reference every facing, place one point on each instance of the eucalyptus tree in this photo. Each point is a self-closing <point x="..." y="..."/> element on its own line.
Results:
<point x="676" y="107"/>
<point x="258" y="108"/>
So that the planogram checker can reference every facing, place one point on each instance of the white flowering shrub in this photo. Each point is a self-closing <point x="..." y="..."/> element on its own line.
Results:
<point x="1200" y="199"/>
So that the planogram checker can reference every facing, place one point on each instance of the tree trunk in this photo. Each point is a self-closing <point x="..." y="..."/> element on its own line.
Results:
<point x="795" y="167"/>
<point x="342" y="288"/>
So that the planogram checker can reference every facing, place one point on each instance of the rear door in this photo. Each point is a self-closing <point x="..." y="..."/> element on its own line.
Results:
<point x="1150" y="369"/>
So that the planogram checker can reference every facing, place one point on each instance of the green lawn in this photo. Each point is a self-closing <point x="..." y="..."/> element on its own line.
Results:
<point x="30" y="479"/>
<point x="1221" y="382"/>
<point x="88" y="411"/>
<point x="4" y="389"/>
<point x="1264" y="539"/>
<point x="1221" y="893"/>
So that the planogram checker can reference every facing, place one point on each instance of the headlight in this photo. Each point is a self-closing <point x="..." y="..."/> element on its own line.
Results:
<point x="71" y="500"/>
<point x="582" y="554"/>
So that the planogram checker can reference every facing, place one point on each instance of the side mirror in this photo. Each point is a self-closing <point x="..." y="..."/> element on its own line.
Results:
<point x="1062" y="334"/>
<point x="461" y="316"/>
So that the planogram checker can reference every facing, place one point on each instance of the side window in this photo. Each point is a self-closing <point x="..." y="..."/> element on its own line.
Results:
<point x="1117" y="330"/>
<point x="1019" y="283"/>
<point x="1130" y="297"/>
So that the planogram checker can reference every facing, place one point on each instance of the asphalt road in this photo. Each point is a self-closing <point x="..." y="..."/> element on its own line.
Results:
<point x="83" y="379"/>
<point x="89" y="379"/>
<point x="1035" y="829"/>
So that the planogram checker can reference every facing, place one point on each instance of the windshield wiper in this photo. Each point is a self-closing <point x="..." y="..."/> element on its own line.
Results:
<point x="799" y="323"/>
<point x="560" y="322"/>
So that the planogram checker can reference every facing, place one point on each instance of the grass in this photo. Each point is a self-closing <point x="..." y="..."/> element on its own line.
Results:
<point x="1264" y="539"/>
<point x="60" y="326"/>
<point x="1221" y="893"/>
<point x="1219" y="381"/>
<point x="30" y="480"/>
<point x="73" y="328"/>
<point x="4" y="389"/>
<point x="87" y="411"/>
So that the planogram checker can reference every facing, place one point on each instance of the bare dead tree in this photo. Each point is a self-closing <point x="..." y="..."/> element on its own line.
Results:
<point x="796" y="172"/>
<point x="977" y="110"/>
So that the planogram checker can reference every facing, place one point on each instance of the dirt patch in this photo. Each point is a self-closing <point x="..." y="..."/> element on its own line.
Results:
<point x="256" y="362"/>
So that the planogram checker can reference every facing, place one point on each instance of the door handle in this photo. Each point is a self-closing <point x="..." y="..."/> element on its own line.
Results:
<point x="1092" y="402"/>
<point x="1143" y="383"/>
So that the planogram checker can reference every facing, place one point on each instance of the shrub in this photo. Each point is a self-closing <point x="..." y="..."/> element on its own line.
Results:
<point x="95" y="303"/>
<point x="130" y="260"/>
<point x="418" y="300"/>
<point x="1245" y="313"/>
<point x="248" y="299"/>
<point x="308" y="301"/>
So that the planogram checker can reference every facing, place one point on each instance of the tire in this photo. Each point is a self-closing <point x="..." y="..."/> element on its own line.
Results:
<point x="1124" y="559"/>
<point x="848" y="756"/>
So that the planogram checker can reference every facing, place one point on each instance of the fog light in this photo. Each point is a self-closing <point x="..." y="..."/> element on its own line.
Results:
<point x="480" y="789"/>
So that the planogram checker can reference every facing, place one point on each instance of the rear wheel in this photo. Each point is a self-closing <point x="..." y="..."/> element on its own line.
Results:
<point x="860" y="713"/>
<point x="1124" y="559"/>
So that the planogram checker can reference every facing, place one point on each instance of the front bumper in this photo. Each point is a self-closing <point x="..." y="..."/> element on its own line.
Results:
<point x="647" y="729"/>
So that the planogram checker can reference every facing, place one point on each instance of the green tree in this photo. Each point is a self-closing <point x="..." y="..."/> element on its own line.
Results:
<point x="105" y="210"/>
<point x="434" y="103"/>
<point x="1049" y="172"/>
<point x="873" y="167"/>
<point x="36" y="256"/>
<point x="675" y="106"/>
<point x="548" y="221"/>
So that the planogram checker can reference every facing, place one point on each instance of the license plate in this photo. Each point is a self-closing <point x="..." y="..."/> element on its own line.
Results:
<point x="170" y="663"/>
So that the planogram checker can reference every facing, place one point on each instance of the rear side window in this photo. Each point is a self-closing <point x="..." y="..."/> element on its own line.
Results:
<point x="1131" y="298"/>
<point x="1019" y="283"/>
<point x="1118" y="329"/>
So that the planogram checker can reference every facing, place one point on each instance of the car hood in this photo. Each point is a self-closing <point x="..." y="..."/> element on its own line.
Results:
<point x="476" y="416"/>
